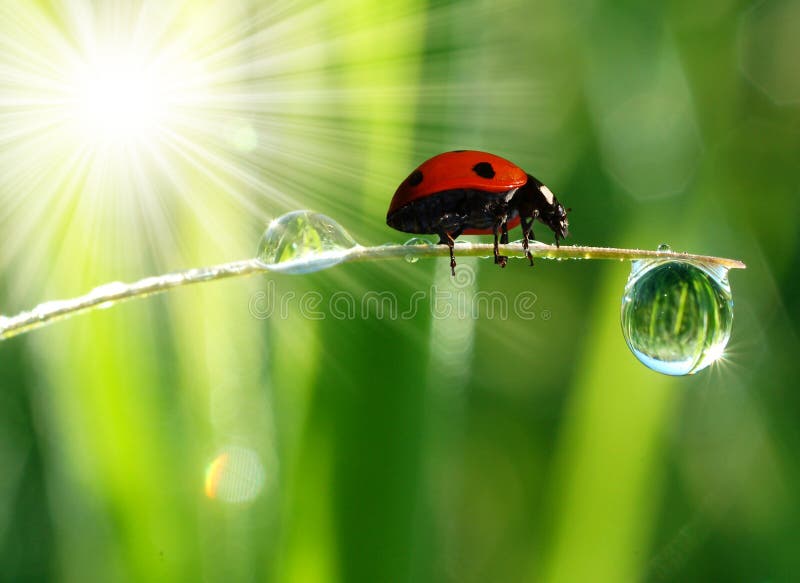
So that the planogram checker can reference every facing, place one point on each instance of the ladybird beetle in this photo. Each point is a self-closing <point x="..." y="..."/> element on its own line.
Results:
<point x="474" y="193"/>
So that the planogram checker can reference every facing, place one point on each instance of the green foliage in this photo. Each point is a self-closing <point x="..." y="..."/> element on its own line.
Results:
<point x="428" y="448"/>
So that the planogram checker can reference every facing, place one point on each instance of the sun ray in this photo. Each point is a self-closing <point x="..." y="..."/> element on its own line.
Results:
<point x="115" y="111"/>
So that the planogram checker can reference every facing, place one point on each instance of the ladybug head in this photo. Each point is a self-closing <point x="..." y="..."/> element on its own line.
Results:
<point x="534" y="199"/>
<point x="557" y="220"/>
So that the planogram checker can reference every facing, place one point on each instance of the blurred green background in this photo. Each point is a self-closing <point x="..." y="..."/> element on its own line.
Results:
<point x="188" y="437"/>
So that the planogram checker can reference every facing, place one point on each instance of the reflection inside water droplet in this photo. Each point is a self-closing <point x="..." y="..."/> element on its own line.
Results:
<point x="677" y="315"/>
<point x="415" y="241"/>
<point x="236" y="475"/>
<point x="303" y="242"/>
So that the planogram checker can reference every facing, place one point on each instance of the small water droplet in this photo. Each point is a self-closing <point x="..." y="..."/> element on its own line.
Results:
<point x="677" y="315"/>
<point x="415" y="241"/>
<point x="664" y="248"/>
<point x="114" y="288"/>
<point x="303" y="242"/>
<point x="45" y="308"/>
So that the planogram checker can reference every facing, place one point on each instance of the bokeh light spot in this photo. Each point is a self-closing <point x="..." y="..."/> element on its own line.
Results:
<point x="651" y="144"/>
<point x="769" y="49"/>
<point x="245" y="138"/>
<point x="648" y="134"/>
<point x="235" y="475"/>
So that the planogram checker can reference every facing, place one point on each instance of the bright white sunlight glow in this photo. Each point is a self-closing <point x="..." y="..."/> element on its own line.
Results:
<point x="125" y="125"/>
<point x="118" y="120"/>
<point x="119" y="99"/>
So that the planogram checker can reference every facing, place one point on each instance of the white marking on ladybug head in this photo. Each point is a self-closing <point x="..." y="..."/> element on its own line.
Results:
<point x="548" y="196"/>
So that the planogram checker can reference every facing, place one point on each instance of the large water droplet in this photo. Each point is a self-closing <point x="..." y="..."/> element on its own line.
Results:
<point x="415" y="241"/>
<point x="302" y="242"/>
<point x="677" y="315"/>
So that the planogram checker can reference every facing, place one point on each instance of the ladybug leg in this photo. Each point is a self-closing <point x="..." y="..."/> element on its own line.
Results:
<point x="498" y="259"/>
<point x="504" y="241"/>
<point x="449" y="240"/>
<point x="451" y="244"/>
<point x="504" y="236"/>
<point x="527" y="233"/>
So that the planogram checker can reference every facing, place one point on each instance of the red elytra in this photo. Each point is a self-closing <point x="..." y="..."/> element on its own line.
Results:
<point x="456" y="171"/>
<point x="474" y="193"/>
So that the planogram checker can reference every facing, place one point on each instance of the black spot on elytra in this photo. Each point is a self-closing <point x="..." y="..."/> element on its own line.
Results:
<point x="414" y="178"/>
<point x="484" y="170"/>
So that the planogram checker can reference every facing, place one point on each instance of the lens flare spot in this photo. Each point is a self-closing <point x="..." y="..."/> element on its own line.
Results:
<point x="236" y="476"/>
